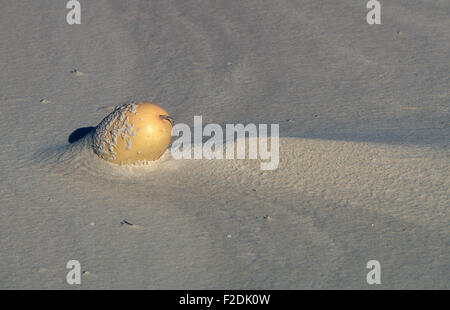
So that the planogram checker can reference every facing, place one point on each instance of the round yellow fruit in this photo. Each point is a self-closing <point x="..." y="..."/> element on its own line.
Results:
<point x="133" y="133"/>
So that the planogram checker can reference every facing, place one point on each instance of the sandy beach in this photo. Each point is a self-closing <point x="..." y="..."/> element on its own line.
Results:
<point x="364" y="158"/>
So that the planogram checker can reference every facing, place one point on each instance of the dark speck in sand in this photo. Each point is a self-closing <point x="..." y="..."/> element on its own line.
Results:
<point x="126" y="222"/>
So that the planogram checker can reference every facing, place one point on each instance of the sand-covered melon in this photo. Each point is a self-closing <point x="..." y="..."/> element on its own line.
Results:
<point x="133" y="133"/>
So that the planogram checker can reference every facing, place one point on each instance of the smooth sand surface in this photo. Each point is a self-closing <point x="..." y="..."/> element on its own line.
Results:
<point x="364" y="148"/>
